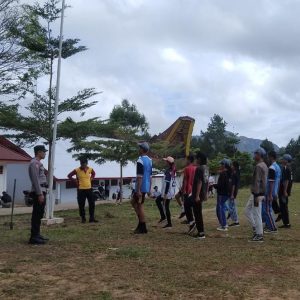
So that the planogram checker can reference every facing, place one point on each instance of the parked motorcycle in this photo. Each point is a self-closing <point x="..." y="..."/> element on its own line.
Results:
<point x="28" y="198"/>
<point x="97" y="194"/>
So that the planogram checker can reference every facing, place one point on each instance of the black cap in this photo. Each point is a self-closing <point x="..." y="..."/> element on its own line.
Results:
<point x="39" y="148"/>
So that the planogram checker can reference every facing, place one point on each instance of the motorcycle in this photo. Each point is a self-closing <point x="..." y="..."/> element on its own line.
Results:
<point x="98" y="195"/>
<point x="28" y="198"/>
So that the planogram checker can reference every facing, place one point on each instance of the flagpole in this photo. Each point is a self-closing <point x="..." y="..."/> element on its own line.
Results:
<point x="50" y="202"/>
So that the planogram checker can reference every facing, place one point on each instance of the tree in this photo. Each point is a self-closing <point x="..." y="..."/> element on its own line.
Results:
<point x="216" y="139"/>
<point x="267" y="145"/>
<point x="125" y="127"/>
<point x="293" y="148"/>
<point x="33" y="122"/>
<point x="16" y="66"/>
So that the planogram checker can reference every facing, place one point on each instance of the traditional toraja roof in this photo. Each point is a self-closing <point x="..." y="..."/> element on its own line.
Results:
<point x="11" y="152"/>
<point x="179" y="132"/>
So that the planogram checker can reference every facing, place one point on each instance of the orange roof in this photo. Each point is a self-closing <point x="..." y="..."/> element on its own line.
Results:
<point x="11" y="152"/>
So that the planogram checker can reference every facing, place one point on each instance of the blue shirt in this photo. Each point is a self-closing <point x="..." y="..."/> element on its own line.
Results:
<point x="274" y="176"/>
<point x="144" y="170"/>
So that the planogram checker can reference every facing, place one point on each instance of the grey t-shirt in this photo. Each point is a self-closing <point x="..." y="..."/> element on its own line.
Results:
<point x="37" y="176"/>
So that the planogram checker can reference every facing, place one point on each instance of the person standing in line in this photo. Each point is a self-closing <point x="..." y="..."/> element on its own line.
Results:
<point x="143" y="186"/>
<point x="84" y="176"/>
<point x="223" y="193"/>
<point x="274" y="175"/>
<point x="285" y="190"/>
<point x="200" y="192"/>
<point x="235" y="183"/>
<point x="38" y="191"/>
<point x="258" y="190"/>
<point x="169" y="187"/>
<point x="187" y="186"/>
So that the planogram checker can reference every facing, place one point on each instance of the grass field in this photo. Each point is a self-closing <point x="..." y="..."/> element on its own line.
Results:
<point x="105" y="261"/>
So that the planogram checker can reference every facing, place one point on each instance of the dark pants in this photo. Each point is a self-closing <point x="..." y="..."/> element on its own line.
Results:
<point x="275" y="206"/>
<point x="159" y="203"/>
<point x="37" y="214"/>
<point x="82" y="195"/>
<point x="168" y="213"/>
<point x="197" y="209"/>
<point x="188" y="208"/>
<point x="284" y="209"/>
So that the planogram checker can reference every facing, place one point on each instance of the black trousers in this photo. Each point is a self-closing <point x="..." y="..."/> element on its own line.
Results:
<point x="275" y="206"/>
<point x="159" y="204"/>
<point x="197" y="209"/>
<point x="284" y="209"/>
<point x="37" y="214"/>
<point x="188" y="208"/>
<point x="82" y="195"/>
<point x="168" y="213"/>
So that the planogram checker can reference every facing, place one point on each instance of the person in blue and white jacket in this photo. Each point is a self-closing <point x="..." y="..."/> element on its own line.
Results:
<point x="273" y="183"/>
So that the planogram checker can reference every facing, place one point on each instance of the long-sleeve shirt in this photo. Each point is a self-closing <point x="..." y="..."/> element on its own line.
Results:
<point x="259" y="179"/>
<point x="37" y="176"/>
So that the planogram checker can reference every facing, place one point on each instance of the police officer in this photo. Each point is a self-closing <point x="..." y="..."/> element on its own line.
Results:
<point x="39" y="187"/>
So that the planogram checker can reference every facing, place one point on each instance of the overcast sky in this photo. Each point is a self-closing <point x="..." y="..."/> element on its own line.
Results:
<point x="171" y="58"/>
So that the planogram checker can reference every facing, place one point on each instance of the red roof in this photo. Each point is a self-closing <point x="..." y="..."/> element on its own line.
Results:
<point x="11" y="152"/>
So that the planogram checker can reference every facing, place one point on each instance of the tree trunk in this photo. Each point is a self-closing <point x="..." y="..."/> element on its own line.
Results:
<point x="49" y="159"/>
<point x="121" y="182"/>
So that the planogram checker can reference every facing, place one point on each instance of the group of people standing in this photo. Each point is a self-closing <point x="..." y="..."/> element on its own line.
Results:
<point x="270" y="183"/>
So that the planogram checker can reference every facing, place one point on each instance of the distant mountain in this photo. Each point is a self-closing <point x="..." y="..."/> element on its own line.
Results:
<point x="250" y="145"/>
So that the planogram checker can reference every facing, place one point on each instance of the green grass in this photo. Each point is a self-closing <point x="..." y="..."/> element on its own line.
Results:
<point x="106" y="261"/>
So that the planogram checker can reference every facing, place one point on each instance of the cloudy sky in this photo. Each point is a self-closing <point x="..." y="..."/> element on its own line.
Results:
<point x="239" y="59"/>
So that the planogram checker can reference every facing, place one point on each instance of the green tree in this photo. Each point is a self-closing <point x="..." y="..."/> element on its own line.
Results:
<point x="30" y="123"/>
<point x="216" y="139"/>
<point x="293" y="148"/>
<point x="267" y="145"/>
<point x="125" y="127"/>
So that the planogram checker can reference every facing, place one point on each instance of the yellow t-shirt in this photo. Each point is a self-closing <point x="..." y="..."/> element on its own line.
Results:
<point x="84" y="178"/>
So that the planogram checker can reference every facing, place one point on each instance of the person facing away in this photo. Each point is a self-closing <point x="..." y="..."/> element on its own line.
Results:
<point x="168" y="189"/>
<point x="223" y="193"/>
<point x="235" y="184"/>
<point x="143" y="186"/>
<point x="200" y="192"/>
<point x="258" y="190"/>
<point x="273" y="182"/>
<point x="84" y="176"/>
<point x="285" y="190"/>
<point x="38" y="191"/>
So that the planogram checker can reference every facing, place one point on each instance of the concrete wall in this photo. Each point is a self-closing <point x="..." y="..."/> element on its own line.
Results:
<point x="20" y="173"/>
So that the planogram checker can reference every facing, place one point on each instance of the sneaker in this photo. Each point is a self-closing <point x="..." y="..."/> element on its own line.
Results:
<point x="161" y="221"/>
<point x="181" y="215"/>
<point x="43" y="238"/>
<point x="236" y="224"/>
<point x="192" y="228"/>
<point x="200" y="236"/>
<point x="167" y="226"/>
<point x="267" y="231"/>
<point x="257" y="239"/>
<point x="36" y="241"/>
<point x="93" y="221"/>
<point x="285" y="226"/>
<point x="222" y="229"/>
<point x="279" y="218"/>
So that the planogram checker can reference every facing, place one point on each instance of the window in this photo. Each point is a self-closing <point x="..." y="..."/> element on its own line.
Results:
<point x="95" y="182"/>
<point x="1" y="169"/>
<point x="126" y="181"/>
<point x="114" y="182"/>
<point x="70" y="184"/>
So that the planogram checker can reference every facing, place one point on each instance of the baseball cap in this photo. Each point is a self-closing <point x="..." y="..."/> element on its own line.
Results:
<point x="287" y="157"/>
<point x="144" y="145"/>
<point x="169" y="159"/>
<point x="260" y="151"/>
<point x="225" y="162"/>
<point x="40" y="148"/>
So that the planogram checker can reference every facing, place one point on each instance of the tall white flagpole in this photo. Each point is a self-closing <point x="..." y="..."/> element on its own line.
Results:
<point x="50" y="202"/>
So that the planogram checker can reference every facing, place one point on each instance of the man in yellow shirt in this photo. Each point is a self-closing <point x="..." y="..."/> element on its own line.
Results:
<point x="84" y="176"/>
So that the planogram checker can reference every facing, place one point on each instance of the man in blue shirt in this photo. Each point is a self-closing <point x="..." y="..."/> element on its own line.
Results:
<point x="273" y="182"/>
<point x="143" y="186"/>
